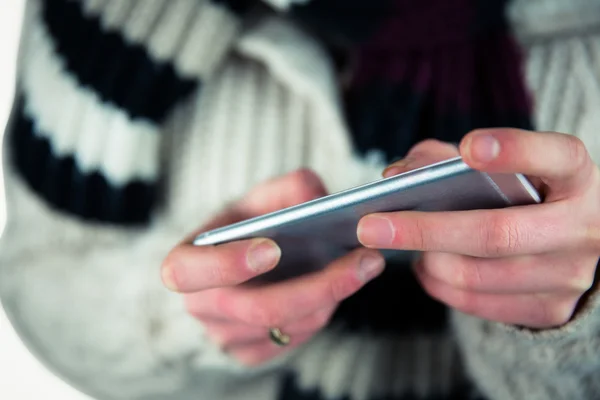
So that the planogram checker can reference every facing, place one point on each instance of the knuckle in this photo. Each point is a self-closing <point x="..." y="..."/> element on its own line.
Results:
<point x="340" y="289"/>
<point x="171" y="261"/>
<point x="305" y="184"/>
<point x="553" y="312"/>
<point x="580" y="277"/>
<point x="220" y="338"/>
<point x="591" y="235"/>
<point x="217" y="273"/>
<point x="462" y="300"/>
<point x="226" y="338"/>
<point x="454" y="270"/>
<point x="467" y="276"/>
<point x="222" y="300"/>
<point x="425" y="145"/>
<point x="221" y="303"/>
<point x="577" y="151"/>
<point x="200" y="306"/>
<point x="265" y="316"/>
<point x="304" y="176"/>
<point x="191" y="307"/>
<point x="433" y="146"/>
<point x="465" y="301"/>
<point x="561" y="313"/>
<point x="321" y="319"/>
<point x="501" y="235"/>
<point x="249" y="360"/>
<point x="429" y="266"/>
<point x="415" y="233"/>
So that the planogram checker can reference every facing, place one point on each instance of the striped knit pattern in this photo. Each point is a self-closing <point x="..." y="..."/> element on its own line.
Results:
<point x="211" y="106"/>
<point x="168" y="50"/>
<point x="122" y="85"/>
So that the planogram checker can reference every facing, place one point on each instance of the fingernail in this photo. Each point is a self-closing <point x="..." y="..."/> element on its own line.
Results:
<point x="263" y="255"/>
<point x="397" y="167"/>
<point x="392" y="171"/>
<point x="376" y="232"/>
<point x="370" y="266"/>
<point x="168" y="278"/>
<point x="484" y="148"/>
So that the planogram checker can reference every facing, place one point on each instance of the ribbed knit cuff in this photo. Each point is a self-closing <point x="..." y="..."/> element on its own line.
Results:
<point x="515" y="363"/>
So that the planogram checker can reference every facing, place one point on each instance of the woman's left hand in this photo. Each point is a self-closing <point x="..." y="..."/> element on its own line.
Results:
<point x="528" y="265"/>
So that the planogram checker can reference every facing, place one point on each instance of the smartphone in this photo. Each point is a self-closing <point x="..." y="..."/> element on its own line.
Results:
<point x="314" y="233"/>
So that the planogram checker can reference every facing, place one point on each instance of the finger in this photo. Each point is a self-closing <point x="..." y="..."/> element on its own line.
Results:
<point x="531" y="310"/>
<point x="258" y="353"/>
<point x="280" y="303"/>
<point x="228" y="334"/>
<point x="570" y="274"/>
<point x="560" y="160"/>
<point x="191" y="268"/>
<point x="479" y="233"/>
<point x="230" y="215"/>
<point x="433" y="147"/>
<point x="424" y="153"/>
<point x="289" y="190"/>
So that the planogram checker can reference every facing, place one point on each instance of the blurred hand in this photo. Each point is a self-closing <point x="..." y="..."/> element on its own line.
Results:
<point x="528" y="266"/>
<point x="237" y="314"/>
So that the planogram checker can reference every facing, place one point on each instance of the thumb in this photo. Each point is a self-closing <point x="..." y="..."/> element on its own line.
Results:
<point x="561" y="161"/>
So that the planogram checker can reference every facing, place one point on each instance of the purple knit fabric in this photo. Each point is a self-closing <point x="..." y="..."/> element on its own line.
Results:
<point x="448" y="66"/>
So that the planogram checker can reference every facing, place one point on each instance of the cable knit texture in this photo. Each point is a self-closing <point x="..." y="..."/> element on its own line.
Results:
<point x="562" y="44"/>
<point x="135" y="121"/>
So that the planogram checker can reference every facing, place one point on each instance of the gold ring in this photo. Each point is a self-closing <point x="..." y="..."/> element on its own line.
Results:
<point x="278" y="337"/>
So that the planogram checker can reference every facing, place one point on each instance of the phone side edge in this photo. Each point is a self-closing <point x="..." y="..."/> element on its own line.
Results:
<point x="346" y="198"/>
<point x="516" y="189"/>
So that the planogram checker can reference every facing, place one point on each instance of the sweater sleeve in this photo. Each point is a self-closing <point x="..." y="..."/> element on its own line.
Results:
<point x="106" y="98"/>
<point x="83" y="155"/>
<point x="562" y="72"/>
<point x="507" y="362"/>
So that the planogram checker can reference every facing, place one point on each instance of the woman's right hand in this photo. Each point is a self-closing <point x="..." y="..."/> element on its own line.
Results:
<point x="238" y="315"/>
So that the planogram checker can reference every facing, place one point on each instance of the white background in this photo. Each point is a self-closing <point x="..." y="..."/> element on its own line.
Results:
<point x="22" y="377"/>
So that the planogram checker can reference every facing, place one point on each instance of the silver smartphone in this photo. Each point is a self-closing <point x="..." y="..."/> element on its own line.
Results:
<point x="315" y="233"/>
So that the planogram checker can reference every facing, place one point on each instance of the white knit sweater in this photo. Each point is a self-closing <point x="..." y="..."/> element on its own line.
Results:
<point x="87" y="298"/>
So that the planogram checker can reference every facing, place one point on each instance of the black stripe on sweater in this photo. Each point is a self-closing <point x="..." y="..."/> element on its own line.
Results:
<point x="290" y="390"/>
<point x="239" y="7"/>
<point x="394" y="117"/>
<point x="385" y="117"/>
<point x="65" y="187"/>
<point x="120" y="72"/>
<point x="394" y="304"/>
<point x="344" y="22"/>
<point x="490" y="14"/>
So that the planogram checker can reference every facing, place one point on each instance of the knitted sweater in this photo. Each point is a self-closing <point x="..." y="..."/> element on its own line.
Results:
<point x="135" y="121"/>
